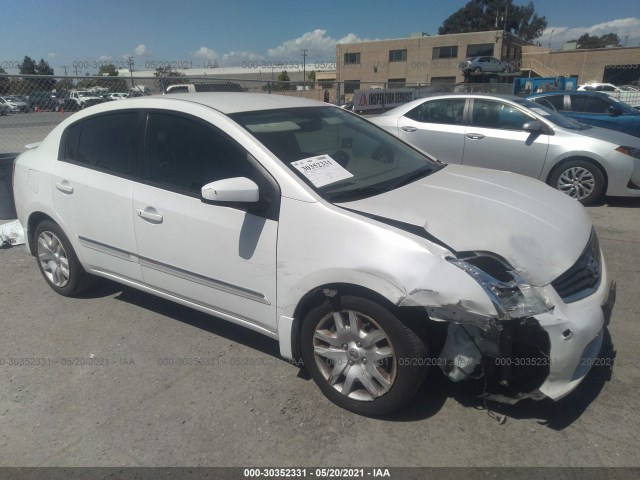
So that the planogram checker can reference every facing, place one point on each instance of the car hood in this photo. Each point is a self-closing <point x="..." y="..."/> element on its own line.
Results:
<point x="614" y="137"/>
<point x="538" y="230"/>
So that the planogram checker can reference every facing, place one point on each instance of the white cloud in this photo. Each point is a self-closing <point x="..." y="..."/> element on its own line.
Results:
<point x="236" y="58"/>
<point x="105" y="58"/>
<point x="320" y="46"/>
<point x="52" y="55"/>
<point x="140" y="50"/>
<point x="204" y="52"/>
<point x="623" y="27"/>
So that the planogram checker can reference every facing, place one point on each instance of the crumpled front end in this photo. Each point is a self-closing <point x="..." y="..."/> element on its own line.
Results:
<point x="543" y="341"/>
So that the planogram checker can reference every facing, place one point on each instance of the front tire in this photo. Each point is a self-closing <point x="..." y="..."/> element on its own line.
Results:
<point x="579" y="179"/>
<point x="361" y="356"/>
<point x="58" y="262"/>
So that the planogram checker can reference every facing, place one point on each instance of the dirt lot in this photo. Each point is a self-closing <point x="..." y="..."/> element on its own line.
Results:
<point x="98" y="390"/>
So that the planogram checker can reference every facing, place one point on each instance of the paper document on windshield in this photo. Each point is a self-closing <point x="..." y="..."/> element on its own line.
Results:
<point x="321" y="170"/>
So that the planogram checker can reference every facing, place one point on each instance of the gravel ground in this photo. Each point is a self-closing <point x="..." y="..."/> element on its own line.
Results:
<point x="98" y="391"/>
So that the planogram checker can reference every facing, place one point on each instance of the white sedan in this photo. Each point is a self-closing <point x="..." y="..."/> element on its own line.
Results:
<point x="357" y="253"/>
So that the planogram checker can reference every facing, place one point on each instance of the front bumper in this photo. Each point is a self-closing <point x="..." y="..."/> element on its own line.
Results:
<point x="576" y="332"/>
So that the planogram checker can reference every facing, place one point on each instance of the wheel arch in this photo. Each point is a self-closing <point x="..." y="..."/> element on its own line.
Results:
<point x="34" y="219"/>
<point x="590" y="160"/>
<point x="321" y="293"/>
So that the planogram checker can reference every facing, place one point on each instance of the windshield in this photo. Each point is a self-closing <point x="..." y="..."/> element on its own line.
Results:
<point x="624" y="106"/>
<point x="552" y="116"/>
<point x="337" y="153"/>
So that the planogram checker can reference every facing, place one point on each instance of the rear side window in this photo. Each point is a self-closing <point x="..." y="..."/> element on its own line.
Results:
<point x="106" y="142"/>
<point x="554" y="102"/>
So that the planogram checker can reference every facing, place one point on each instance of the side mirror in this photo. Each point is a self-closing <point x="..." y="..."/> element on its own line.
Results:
<point x="534" y="126"/>
<point x="232" y="190"/>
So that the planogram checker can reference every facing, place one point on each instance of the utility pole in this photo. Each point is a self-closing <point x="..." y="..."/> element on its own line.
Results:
<point x="506" y="12"/>
<point x="131" y="70"/>
<point x="550" y="37"/>
<point x="65" y="70"/>
<point x="304" y="68"/>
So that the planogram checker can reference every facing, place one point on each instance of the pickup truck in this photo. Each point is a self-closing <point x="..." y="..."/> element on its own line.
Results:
<point x="84" y="98"/>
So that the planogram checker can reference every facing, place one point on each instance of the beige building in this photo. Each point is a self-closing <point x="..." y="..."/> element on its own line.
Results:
<point x="421" y="58"/>
<point x="425" y="59"/>
<point x="619" y="65"/>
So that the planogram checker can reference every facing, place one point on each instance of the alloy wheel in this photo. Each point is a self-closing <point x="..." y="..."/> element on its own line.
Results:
<point x="355" y="355"/>
<point x="53" y="259"/>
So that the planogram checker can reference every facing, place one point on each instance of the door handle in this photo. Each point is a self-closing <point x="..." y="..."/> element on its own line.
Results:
<point x="475" y="136"/>
<point x="64" y="187"/>
<point x="149" y="215"/>
<point x="409" y="129"/>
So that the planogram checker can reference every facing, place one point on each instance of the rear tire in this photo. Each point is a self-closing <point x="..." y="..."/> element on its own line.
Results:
<point x="579" y="179"/>
<point x="361" y="356"/>
<point x="58" y="262"/>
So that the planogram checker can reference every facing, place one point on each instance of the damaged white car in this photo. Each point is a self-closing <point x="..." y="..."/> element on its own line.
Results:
<point x="304" y="222"/>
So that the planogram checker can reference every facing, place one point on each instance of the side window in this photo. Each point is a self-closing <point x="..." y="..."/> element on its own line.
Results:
<point x="186" y="154"/>
<point x="490" y="114"/>
<point x="554" y="102"/>
<point x="589" y="104"/>
<point x="107" y="142"/>
<point x="448" y="111"/>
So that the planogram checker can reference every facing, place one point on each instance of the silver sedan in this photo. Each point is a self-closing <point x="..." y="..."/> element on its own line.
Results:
<point x="510" y="133"/>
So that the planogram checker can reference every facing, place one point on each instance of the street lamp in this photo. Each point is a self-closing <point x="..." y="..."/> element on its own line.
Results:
<point x="550" y="37"/>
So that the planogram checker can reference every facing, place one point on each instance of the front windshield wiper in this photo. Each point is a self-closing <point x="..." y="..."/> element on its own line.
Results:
<point x="412" y="177"/>
<point x="355" y="194"/>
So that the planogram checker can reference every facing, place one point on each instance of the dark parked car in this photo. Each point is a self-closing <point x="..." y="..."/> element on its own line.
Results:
<point x="593" y="108"/>
<point x="42" y="101"/>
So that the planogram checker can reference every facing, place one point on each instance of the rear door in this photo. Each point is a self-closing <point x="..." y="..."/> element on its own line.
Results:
<point x="437" y="127"/>
<point x="92" y="184"/>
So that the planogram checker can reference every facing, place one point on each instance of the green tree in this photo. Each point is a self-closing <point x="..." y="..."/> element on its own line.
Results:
<point x="166" y="76"/>
<point x="113" y="84"/>
<point x="486" y="15"/>
<point x="284" y="76"/>
<point x="588" y="41"/>
<point x="30" y="67"/>
<point x="4" y="82"/>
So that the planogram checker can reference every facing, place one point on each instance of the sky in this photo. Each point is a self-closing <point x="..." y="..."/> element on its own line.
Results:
<point x="199" y="33"/>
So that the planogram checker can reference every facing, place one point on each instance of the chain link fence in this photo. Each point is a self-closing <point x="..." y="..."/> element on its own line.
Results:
<point x="31" y="105"/>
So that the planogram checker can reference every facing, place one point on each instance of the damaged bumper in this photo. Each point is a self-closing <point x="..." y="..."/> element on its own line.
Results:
<point x="576" y="332"/>
<point x="541" y="355"/>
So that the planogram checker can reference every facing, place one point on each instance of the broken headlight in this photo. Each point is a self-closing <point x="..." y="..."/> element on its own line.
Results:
<point x="510" y="294"/>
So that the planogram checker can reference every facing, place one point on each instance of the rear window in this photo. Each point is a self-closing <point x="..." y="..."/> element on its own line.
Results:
<point x="107" y="142"/>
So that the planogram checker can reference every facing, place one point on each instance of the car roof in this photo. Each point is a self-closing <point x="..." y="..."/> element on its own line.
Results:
<point x="489" y="96"/>
<point x="228" y="103"/>
<point x="571" y="92"/>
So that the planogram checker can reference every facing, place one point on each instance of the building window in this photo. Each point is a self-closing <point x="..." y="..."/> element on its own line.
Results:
<point x="397" y="82"/>
<point x="443" y="80"/>
<point x="444" y="52"/>
<point x="398" y="55"/>
<point x="352" y="58"/>
<point x="351" y="86"/>
<point x="480" y="50"/>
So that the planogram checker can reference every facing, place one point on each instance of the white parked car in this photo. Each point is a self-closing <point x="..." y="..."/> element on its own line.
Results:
<point x="627" y="94"/>
<point x="310" y="225"/>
